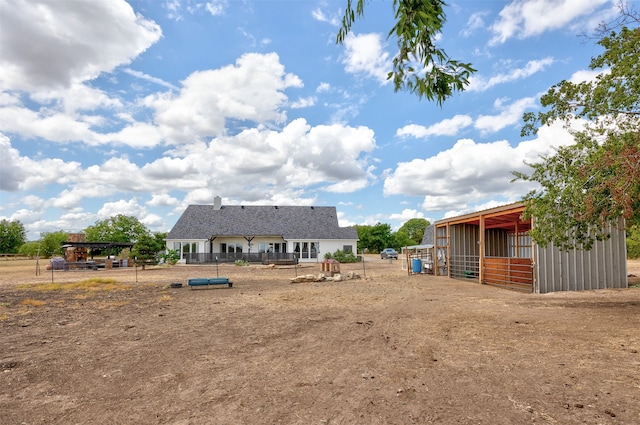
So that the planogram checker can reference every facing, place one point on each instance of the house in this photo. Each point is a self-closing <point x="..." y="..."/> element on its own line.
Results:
<point x="210" y="233"/>
<point x="493" y="247"/>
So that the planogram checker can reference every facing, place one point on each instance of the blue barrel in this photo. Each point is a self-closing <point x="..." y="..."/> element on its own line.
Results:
<point x="416" y="265"/>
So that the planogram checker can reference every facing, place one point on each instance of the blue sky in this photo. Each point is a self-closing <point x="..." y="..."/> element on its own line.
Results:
<point x="144" y="107"/>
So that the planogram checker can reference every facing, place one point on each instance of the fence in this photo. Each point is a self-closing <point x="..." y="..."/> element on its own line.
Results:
<point x="251" y="257"/>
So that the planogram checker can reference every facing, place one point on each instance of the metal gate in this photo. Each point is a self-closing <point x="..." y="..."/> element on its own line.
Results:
<point x="511" y="273"/>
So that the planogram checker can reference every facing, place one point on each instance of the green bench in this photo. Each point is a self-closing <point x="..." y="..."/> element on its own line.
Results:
<point x="207" y="281"/>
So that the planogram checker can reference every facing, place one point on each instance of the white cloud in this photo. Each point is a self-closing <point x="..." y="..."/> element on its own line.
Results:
<point x="406" y="215"/>
<point x="304" y="102"/>
<point x="471" y="172"/>
<point x="509" y="115"/>
<point x="583" y="76"/>
<point x="54" y="44"/>
<point x="251" y="90"/>
<point x="323" y="87"/>
<point x="475" y="22"/>
<point x="150" y="78"/>
<point x="11" y="174"/>
<point x="216" y="7"/>
<point x="365" y="55"/>
<point x="162" y="200"/>
<point x="479" y="84"/>
<point x="319" y="15"/>
<point x="446" y="127"/>
<point x="125" y="207"/>
<point x="523" y="19"/>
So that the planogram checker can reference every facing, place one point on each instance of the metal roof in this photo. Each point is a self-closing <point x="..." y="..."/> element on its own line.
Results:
<point x="288" y="222"/>
<point x="507" y="217"/>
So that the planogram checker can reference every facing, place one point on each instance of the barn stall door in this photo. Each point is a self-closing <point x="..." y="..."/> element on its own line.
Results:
<point x="512" y="273"/>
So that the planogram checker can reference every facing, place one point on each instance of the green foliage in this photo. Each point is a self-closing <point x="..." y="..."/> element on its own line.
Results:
<point x="120" y="228"/>
<point x="342" y="257"/>
<point x="12" y="235"/>
<point x="596" y="181"/>
<point x="374" y="238"/>
<point x="51" y="243"/>
<point x="29" y="249"/>
<point x="417" y="26"/>
<point x="411" y="232"/>
<point x="633" y="241"/>
<point x="146" y="249"/>
<point x="241" y="263"/>
<point x="171" y="256"/>
<point x="400" y="239"/>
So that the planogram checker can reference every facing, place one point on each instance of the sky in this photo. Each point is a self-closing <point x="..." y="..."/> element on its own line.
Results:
<point x="144" y="107"/>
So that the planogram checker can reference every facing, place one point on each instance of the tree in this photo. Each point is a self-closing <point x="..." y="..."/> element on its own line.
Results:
<point x="414" y="230"/>
<point x="417" y="25"/>
<point x="120" y="228"/>
<point x="51" y="243"/>
<point x="147" y="247"/>
<point x="12" y="235"/>
<point x="374" y="238"/>
<point x="633" y="241"/>
<point x="587" y="186"/>
<point x="29" y="249"/>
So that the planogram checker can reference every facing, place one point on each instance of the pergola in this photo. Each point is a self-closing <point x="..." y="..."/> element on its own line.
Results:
<point x="97" y="245"/>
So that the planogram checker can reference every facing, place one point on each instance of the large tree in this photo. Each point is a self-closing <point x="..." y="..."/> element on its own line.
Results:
<point x="414" y="230"/>
<point x="585" y="187"/>
<point x="374" y="238"/>
<point x="119" y="228"/>
<point x="51" y="243"/>
<point x="419" y="66"/>
<point x="12" y="235"/>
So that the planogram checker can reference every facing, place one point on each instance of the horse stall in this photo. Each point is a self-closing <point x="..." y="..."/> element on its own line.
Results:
<point x="493" y="247"/>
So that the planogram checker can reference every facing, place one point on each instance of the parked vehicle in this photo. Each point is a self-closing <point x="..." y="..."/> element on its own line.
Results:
<point x="389" y="253"/>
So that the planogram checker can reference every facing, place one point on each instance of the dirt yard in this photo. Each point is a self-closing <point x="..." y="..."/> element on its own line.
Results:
<point x="384" y="349"/>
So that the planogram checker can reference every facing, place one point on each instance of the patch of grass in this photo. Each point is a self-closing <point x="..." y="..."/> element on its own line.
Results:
<point x="32" y="302"/>
<point x="93" y="284"/>
<point x="165" y="298"/>
<point x="4" y="304"/>
<point x="3" y="317"/>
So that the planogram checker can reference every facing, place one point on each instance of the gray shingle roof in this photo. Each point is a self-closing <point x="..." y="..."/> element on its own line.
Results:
<point x="290" y="222"/>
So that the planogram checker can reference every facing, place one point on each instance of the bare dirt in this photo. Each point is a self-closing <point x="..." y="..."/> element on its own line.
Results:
<point x="384" y="349"/>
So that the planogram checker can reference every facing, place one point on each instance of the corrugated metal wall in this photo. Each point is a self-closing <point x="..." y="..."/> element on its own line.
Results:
<point x="464" y="251"/>
<point x="496" y="243"/>
<point x="604" y="266"/>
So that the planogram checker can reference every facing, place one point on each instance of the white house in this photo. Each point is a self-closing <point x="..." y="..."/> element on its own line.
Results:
<point x="208" y="233"/>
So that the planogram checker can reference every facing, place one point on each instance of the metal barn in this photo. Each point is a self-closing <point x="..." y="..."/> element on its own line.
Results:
<point x="493" y="247"/>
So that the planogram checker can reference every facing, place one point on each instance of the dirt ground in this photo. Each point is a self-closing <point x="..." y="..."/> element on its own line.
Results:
<point x="384" y="349"/>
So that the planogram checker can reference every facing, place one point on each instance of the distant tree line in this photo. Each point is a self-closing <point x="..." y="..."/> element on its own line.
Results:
<point x="380" y="236"/>
<point x="119" y="228"/>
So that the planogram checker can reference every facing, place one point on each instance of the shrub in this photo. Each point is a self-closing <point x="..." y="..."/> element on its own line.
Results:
<point x="171" y="256"/>
<point x="241" y="263"/>
<point x="342" y="257"/>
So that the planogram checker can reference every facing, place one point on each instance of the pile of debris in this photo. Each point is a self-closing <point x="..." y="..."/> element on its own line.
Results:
<point x="324" y="278"/>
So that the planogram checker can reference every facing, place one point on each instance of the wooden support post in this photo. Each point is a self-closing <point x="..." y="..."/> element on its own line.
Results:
<point x="482" y="252"/>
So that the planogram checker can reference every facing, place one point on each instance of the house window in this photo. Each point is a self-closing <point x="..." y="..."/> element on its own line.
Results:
<point x="347" y="249"/>
<point x="231" y="247"/>
<point x="304" y="249"/>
